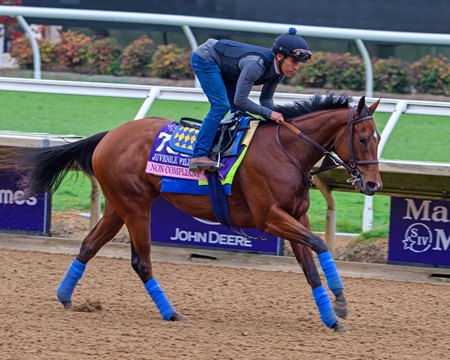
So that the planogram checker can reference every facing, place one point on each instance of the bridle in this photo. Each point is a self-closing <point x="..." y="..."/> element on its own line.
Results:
<point x="331" y="160"/>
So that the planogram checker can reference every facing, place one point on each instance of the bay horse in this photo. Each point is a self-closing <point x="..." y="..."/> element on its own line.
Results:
<point x="270" y="191"/>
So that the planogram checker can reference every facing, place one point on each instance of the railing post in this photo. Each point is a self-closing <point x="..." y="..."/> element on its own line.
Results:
<point x="95" y="203"/>
<point x="330" y="222"/>
<point x="193" y="42"/>
<point x="367" y="65"/>
<point x="34" y="47"/>
<point x="153" y="94"/>
<point x="400" y="108"/>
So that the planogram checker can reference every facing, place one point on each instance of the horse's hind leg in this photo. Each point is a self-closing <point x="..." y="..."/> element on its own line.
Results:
<point x="136" y="214"/>
<point x="105" y="230"/>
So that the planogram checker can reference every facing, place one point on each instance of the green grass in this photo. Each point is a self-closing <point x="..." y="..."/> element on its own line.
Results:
<point x="415" y="138"/>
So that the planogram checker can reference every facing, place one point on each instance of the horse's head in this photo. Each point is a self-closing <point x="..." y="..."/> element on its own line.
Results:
<point x="357" y="146"/>
<point x="351" y="135"/>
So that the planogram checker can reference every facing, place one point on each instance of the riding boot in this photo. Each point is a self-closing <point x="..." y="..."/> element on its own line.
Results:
<point x="204" y="163"/>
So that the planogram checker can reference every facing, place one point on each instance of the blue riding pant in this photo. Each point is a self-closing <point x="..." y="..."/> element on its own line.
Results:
<point x="217" y="92"/>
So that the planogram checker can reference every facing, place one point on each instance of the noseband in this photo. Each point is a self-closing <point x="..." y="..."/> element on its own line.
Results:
<point x="331" y="160"/>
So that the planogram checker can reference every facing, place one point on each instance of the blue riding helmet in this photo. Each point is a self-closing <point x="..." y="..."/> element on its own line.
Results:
<point x="292" y="45"/>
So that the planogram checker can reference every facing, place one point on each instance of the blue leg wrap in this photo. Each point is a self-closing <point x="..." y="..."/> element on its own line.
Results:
<point x="157" y="294"/>
<point x="324" y="305"/>
<point x="75" y="272"/>
<point x="331" y="274"/>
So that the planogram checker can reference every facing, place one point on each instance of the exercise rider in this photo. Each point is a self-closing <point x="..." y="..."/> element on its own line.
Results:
<point x="227" y="71"/>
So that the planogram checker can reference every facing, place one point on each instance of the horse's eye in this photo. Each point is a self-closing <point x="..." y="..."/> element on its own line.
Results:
<point x="363" y="140"/>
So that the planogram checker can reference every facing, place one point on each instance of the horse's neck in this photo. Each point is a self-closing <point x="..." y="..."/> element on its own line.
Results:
<point x="323" y="127"/>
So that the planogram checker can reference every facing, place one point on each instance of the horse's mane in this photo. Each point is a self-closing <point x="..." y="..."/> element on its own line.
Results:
<point x="315" y="103"/>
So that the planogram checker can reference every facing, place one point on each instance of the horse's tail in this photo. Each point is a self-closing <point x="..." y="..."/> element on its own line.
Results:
<point x="40" y="170"/>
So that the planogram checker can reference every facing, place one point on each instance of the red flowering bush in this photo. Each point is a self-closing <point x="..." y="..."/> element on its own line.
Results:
<point x="136" y="57"/>
<point x="72" y="50"/>
<point x="345" y="71"/>
<point x="81" y="53"/>
<point x="313" y="73"/>
<point x="22" y="52"/>
<point x="431" y="74"/>
<point x="103" y="56"/>
<point x="392" y="75"/>
<point x="171" y="62"/>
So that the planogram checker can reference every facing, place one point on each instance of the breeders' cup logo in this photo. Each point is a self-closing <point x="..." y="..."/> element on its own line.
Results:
<point x="418" y="238"/>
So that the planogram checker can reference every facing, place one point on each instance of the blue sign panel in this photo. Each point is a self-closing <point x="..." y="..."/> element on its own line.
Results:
<point x="172" y="226"/>
<point x="30" y="215"/>
<point x="419" y="231"/>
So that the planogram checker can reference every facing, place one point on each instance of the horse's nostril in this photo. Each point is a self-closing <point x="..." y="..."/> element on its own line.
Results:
<point x="373" y="186"/>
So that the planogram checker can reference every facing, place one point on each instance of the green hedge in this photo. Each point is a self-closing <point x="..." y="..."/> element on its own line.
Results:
<point x="80" y="53"/>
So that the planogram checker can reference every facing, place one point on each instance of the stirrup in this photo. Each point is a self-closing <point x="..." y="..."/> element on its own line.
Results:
<point x="213" y="166"/>
<point x="210" y="168"/>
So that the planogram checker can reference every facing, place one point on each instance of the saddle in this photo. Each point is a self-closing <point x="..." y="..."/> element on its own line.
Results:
<point x="228" y="139"/>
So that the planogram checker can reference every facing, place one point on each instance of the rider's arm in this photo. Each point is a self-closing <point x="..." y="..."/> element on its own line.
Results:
<point x="251" y="70"/>
<point x="267" y="92"/>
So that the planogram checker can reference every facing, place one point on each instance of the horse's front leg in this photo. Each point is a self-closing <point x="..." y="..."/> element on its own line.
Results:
<point x="305" y="259"/>
<point x="284" y="225"/>
<point x="340" y="303"/>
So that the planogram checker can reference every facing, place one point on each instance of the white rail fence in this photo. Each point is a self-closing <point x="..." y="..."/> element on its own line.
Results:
<point x="151" y="93"/>
<point x="186" y="22"/>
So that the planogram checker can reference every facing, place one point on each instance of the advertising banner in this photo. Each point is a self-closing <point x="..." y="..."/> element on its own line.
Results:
<point x="419" y="231"/>
<point x="172" y="226"/>
<point x="31" y="215"/>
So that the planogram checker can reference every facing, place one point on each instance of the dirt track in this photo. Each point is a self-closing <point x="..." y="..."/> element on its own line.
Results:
<point x="233" y="314"/>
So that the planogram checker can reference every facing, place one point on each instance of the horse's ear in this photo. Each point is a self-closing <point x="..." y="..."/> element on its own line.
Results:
<point x="361" y="105"/>
<point x="374" y="106"/>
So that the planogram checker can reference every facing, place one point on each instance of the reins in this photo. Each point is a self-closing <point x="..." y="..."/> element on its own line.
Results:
<point x="333" y="159"/>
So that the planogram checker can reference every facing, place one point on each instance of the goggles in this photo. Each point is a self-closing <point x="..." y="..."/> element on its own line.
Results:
<point x="301" y="54"/>
<point x="298" y="54"/>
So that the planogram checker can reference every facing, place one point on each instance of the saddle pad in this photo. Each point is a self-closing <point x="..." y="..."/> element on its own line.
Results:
<point x="173" y="166"/>
<point x="183" y="139"/>
<point x="165" y="161"/>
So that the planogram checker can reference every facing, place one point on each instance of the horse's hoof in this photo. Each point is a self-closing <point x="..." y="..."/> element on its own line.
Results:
<point x="338" y="327"/>
<point x="340" y="306"/>
<point x="178" y="317"/>
<point x="340" y="309"/>
<point x="67" y="304"/>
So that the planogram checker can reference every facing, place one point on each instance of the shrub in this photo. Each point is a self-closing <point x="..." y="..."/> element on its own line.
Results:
<point x="22" y="52"/>
<point x="48" y="54"/>
<point x="171" y="62"/>
<point x="71" y="51"/>
<point x="312" y="73"/>
<point x="345" y="71"/>
<point x="432" y="75"/>
<point x="392" y="75"/>
<point x="136" y="57"/>
<point x="103" y="56"/>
